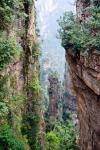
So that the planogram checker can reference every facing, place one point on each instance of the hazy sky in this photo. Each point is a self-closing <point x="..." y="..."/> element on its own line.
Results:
<point x="48" y="12"/>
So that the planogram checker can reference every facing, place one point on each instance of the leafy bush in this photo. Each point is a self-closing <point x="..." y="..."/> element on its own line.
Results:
<point x="8" y="140"/>
<point x="7" y="12"/>
<point x="68" y="135"/>
<point x="62" y="136"/>
<point x="35" y="85"/>
<point x="53" y="141"/>
<point x="3" y="110"/>
<point x="8" y="49"/>
<point x="80" y="36"/>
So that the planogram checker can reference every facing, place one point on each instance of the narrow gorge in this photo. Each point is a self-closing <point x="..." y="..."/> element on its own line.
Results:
<point x="49" y="75"/>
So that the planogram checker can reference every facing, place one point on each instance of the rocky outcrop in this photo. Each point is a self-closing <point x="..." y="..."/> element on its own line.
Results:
<point x="54" y="97"/>
<point x="85" y="73"/>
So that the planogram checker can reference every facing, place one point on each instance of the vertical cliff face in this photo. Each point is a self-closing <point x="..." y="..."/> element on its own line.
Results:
<point x="85" y="74"/>
<point x="20" y="98"/>
<point x="69" y="101"/>
<point x="54" y="97"/>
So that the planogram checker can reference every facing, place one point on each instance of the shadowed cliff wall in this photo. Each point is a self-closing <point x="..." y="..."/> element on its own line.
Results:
<point x="85" y="73"/>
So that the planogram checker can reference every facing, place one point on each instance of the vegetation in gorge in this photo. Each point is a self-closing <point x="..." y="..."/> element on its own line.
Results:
<point x="8" y="139"/>
<point x="30" y="129"/>
<point x="31" y="119"/>
<point x="61" y="135"/>
<point x="84" y="36"/>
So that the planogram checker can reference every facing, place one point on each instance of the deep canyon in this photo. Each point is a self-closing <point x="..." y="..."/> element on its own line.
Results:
<point x="38" y="109"/>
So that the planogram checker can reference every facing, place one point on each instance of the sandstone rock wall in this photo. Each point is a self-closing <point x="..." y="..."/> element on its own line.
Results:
<point x="85" y="73"/>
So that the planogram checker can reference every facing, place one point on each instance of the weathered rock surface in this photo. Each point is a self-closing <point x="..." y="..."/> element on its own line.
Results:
<point x="85" y="73"/>
<point x="54" y="97"/>
<point x="69" y="100"/>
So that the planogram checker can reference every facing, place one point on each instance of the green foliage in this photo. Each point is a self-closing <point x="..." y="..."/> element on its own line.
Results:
<point x="36" y="49"/>
<point x="35" y="85"/>
<point x="8" y="140"/>
<point x="53" y="141"/>
<point x="15" y="104"/>
<point x="67" y="23"/>
<point x="62" y="136"/>
<point x="67" y="135"/>
<point x="8" y="49"/>
<point x="3" y="110"/>
<point x="30" y="129"/>
<point x="17" y="99"/>
<point x="7" y="12"/>
<point x="80" y="36"/>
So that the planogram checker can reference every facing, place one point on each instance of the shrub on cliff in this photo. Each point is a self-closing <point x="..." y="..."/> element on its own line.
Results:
<point x="7" y="12"/>
<point x="53" y="141"/>
<point x="8" y="49"/>
<point x="84" y="36"/>
<point x="8" y="140"/>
